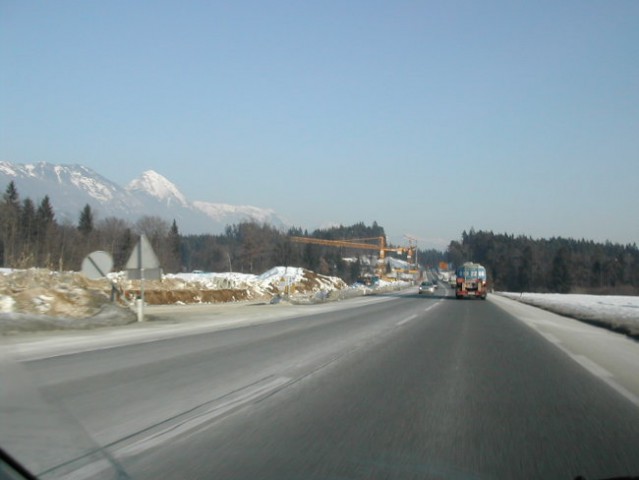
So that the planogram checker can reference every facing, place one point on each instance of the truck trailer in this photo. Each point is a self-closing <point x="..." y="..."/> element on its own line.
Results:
<point x="471" y="281"/>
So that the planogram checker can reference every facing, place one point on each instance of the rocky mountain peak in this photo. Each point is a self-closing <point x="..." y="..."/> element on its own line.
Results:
<point x="159" y="187"/>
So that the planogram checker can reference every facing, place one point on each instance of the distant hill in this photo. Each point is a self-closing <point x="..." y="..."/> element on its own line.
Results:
<point x="71" y="187"/>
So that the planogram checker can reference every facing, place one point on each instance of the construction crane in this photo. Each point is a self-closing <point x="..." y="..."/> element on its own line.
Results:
<point x="359" y="244"/>
<point x="412" y="245"/>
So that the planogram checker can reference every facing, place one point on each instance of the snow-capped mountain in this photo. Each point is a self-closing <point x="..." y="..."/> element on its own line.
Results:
<point x="220" y="211"/>
<point x="71" y="187"/>
<point x="154" y="185"/>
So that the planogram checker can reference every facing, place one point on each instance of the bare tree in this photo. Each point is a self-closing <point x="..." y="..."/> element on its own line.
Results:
<point x="116" y="238"/>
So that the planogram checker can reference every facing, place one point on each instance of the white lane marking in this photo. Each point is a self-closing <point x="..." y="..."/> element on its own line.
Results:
<point x="595" y="369"/>
<point x="87" y="471"/>
<point x="414" y="315"/>
<point x="433" y="305"/>
<point x="169" y="432"/>
<point x="520" y="312"/>
<point x="622" y="390"/>
<point x="592" y="367"/>
<point x="550" y="337"/>
<point x="189" y="424"/>
<point x="89" y="349"/>
<point x="604" y="375"/>
<point x="73" y="344"/>
<point x="601" y="373"/>
<point x="407" y="319"/>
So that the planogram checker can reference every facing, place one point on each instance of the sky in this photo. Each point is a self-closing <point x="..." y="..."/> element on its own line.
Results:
<point x="428" y="117"/>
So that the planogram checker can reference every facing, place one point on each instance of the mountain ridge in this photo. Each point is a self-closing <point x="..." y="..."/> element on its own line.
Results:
<point x="72" y="186"/>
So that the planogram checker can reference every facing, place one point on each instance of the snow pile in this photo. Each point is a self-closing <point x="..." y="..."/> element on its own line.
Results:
<point x="71" y="295"/>
<point x="276" y="281"/>
<point x="212" y="281"/>
<point x="398" y="263"/>
<point x="620" y="313"/>
<point x="290" y="274"/>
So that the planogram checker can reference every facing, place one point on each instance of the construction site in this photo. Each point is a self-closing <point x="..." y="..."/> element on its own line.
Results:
<point x="379" y="265"/>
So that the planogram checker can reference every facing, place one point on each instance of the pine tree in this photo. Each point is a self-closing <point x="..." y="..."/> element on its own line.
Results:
<point x="46" y="230"/>
<point x="174" y="239"/>
<point x="28" y="224"/>
<point x="9" y="224"/>
<point x="174" y="260"/>
<point x="85" y="225"/>
<point x="11" y="196"/>
<point x="560" y="278"/>
<point x="45" y="213"/>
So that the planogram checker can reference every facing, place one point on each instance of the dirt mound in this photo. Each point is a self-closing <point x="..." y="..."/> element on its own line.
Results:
<point x="164" y="296"/>
<point x="44" y="292"/>
<point x="71" y="295"/>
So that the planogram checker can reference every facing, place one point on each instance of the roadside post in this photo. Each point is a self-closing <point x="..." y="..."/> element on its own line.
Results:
<point x="142" y="265"/>
<point x="96" y="265"/>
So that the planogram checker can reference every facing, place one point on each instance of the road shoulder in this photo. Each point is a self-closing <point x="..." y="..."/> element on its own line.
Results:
<point x="612" y="357"/>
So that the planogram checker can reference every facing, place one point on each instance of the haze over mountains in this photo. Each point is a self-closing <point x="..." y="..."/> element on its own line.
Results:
<point x="71" y="187"/>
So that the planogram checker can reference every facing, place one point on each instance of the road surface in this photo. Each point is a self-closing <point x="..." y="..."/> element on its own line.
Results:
<point x="400" y="386"/>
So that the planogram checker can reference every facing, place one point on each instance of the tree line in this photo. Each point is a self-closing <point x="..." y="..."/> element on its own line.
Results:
<point x="560" y="265"/>
<point x="31" y="236"/>
<point x="249" y="247"/>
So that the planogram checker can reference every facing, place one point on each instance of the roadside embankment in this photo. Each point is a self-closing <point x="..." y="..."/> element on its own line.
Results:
<point x="614" y="312"/>
<point x="39" y="300"/>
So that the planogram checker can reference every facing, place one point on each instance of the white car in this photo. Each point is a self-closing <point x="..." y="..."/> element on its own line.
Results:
<point x="426" y="287"/>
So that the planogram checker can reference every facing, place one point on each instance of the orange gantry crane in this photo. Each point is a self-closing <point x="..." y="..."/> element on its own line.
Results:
<point x="360" y="243"/>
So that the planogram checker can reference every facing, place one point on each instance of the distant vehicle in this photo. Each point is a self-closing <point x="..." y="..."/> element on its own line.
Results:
<point x="470" y="281"/>
<point x="368" y="281"/>
<point x="426" y="287"/>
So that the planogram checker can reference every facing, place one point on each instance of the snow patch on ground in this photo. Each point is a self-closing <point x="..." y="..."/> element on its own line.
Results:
<point x="620" y="313"/>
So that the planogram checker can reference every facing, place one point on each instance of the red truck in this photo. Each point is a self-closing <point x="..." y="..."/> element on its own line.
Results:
<point x="471" y="281"/>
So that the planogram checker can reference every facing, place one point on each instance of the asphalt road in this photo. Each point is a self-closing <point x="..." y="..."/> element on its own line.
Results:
<point x="399" y="387"/>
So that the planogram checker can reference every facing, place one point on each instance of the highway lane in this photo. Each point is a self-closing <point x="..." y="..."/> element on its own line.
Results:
<point x="412" y="387"/>
<point x="463" y="391"/>
<point x="128" y="396"/>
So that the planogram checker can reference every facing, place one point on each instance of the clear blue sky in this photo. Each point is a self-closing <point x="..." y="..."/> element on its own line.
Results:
<point x="428" y="117"/>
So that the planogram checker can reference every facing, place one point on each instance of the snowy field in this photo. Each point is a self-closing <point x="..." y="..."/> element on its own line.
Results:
<point x="620" y="313"/>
